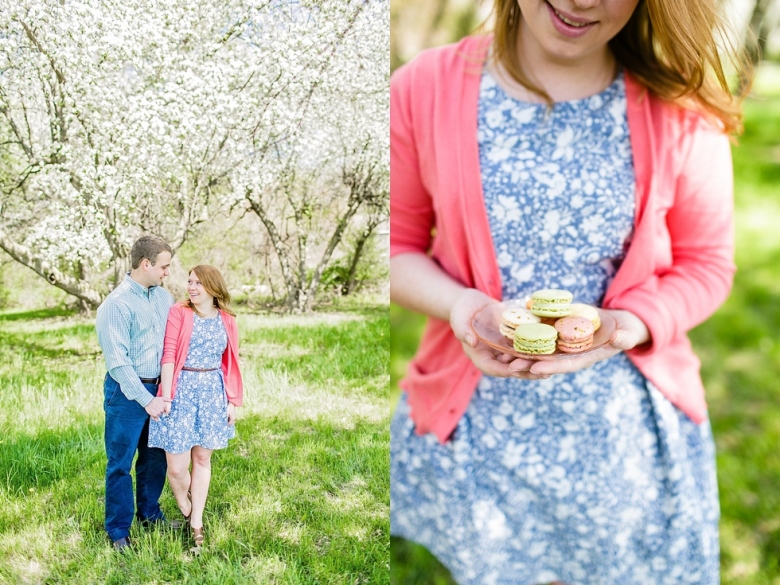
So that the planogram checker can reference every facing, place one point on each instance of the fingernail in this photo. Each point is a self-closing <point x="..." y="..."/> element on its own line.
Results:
<point x="469" y="339"/>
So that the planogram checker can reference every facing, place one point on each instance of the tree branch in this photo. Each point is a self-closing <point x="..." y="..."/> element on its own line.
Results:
<point x="73" y="286"/>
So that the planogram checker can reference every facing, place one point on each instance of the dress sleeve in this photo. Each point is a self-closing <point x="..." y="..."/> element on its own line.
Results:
<point x="411" y="208"/>
<point x="700" y="223"/>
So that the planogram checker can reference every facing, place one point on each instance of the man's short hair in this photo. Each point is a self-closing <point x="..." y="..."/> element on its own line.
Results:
<point x="148" y="247"/>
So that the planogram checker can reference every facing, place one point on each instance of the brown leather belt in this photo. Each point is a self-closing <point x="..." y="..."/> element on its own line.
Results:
<point x="199" y="369"/>
<point x="150" y="380"/>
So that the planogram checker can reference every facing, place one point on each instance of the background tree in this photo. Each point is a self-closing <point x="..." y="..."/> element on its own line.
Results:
<point x="123" y="118"/>
<point x="315" y="181"/>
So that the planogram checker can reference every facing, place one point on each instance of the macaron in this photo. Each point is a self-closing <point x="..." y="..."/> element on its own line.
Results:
<point x="535" y="338"/>
<point x="590" y="312"/>
<point x="551" y="302"/>
<point x="512" y="317"/>
<point x="575" y="334"/>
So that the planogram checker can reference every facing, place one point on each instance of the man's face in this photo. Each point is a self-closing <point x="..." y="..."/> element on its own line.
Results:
<point x="154" y="274"/>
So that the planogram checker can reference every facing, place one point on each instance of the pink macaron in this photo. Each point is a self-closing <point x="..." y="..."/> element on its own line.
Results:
<point x="575" y="334"/>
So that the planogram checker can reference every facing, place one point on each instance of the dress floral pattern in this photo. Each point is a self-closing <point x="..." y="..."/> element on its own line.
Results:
<point x="199" y="409"/>
<point x="587" y="478"/>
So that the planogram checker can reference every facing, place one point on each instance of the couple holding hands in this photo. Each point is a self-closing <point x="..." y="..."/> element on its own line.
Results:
<point x="171" y="390"/>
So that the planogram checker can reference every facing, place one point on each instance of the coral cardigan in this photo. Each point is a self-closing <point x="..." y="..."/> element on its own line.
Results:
<point x="177" y="341"/>
<point x="678" y="266"/>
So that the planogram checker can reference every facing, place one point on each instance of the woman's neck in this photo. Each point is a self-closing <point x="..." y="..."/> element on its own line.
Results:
<point x="562" y="79"/>
<point x="207" y="310"/>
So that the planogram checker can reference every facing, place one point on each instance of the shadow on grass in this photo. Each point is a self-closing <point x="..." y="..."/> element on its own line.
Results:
<point x="32" y="462"/>
<point x="37" y="314"/>
<point x="321" y="493"/>
<point x="43" y="344"/>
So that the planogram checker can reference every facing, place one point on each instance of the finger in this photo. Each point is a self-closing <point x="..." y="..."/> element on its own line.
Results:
<point x="520" y="365"/>
<point x="622" y="340"/>
<point x="530" y="376"/>
<point x="572" y="364"/>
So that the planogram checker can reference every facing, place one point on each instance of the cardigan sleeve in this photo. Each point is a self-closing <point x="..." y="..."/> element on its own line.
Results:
<point x="172" y="329"/>
<point x="411" y="208"/>
<point x="700" y="225"/>
<point x="234" y="384"/>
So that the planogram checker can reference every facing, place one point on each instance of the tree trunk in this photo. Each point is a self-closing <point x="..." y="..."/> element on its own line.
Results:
<point x="276" y="241"/>
<point x="756" y="34"/>
<point x="73" y="286"/>
<point x="355" y="260"/>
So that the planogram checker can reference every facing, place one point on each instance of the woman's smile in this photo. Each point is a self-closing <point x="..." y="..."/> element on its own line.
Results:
<point x="568" y="24"/>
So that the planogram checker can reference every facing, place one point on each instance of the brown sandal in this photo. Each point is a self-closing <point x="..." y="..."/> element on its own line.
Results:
<point x="197" y="536"/>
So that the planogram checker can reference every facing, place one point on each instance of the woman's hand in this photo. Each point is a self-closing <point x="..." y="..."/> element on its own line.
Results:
<point x="231" y="414"/>
<point x="630" y="332"/>
<point x="487" y="360"/>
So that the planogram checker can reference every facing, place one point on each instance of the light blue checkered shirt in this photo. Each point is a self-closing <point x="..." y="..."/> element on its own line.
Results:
<point x="131" y="329"/>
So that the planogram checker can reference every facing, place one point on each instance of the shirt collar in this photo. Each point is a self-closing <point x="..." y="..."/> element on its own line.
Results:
<point x="136" y="287"/>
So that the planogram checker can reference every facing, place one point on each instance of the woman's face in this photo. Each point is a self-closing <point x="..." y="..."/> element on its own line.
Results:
<point x="570" y="30"/>
<point x="198" y="294"/>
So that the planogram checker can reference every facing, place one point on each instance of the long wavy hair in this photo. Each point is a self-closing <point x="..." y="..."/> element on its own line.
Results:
<point x="669" y="46"/>
<point x="214" y="284"/>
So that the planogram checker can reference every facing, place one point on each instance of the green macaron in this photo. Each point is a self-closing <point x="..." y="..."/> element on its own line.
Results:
<point x="535" y="338"/>
<point x="551" y="302"/>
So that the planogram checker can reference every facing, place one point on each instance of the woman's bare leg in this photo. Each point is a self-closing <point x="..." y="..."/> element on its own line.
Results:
<point x="179" y="479"/>
<point x="199" y="486"/>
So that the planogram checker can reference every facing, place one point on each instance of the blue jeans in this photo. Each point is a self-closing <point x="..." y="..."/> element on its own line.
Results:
<point x="127" y="431"/>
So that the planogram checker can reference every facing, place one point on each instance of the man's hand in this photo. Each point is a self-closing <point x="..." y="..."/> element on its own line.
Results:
<point x="157" y="406"/>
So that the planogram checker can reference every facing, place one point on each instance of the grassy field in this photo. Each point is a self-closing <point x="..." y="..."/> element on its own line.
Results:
<point x="301" y="496"/>
<point x="740" y="352"/>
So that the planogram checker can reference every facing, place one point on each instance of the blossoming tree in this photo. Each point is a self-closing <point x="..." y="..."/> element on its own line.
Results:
<point x="141" y="116"/>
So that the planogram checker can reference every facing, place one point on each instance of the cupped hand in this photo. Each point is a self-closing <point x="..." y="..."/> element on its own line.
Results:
<point x="629" y="332"/>
<point x="231" y="412"/>
<point x="485" y="358"/>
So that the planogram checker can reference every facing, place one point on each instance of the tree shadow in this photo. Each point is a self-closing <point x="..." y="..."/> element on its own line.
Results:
<point x="38" y="314"/>
<point x="35" y="461"/>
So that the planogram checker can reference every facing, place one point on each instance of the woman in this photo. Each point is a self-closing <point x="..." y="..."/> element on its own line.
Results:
<point x="584" y="146"/>
<point x="201" y="379"/>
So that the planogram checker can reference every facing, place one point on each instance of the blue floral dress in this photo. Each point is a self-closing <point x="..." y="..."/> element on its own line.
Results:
<point x="587" y="478"/>
<point x="199" y="409"/>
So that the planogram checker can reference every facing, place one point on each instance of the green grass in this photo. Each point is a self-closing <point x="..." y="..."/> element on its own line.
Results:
<point x="301" y="496"/>
<point x="740" y="352"/>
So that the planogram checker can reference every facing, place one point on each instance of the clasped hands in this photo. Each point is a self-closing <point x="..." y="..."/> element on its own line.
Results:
<point x="629" y="333"/>
<point x="158" y="406"/>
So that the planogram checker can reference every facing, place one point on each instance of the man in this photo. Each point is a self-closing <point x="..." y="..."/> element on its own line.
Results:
<point x="131" y="328"/>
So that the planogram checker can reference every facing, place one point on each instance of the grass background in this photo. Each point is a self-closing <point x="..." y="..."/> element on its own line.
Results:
<point x="740" y="352"/>
<point x="301" y="496"/>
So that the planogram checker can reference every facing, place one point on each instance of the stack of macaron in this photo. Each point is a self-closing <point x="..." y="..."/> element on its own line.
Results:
<point x="513" y="317"/>
<point x="589" y="312"/>
<point x="552" y="303"/>
<point x="565" y="325"/>
<point x="535" y="339"/>
<point x="575" y="334"/>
